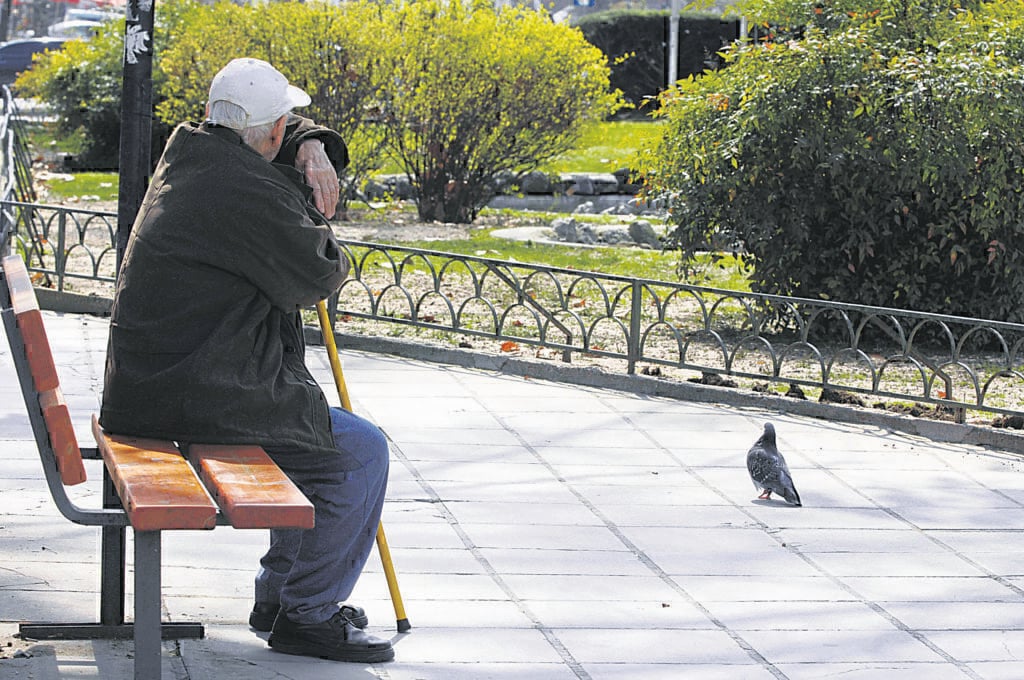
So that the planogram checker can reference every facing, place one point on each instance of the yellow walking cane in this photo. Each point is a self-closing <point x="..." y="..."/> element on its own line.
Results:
<point x="346" y="403"/>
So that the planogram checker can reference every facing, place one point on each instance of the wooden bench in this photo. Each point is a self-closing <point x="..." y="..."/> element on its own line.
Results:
<point x="148" y="484"/>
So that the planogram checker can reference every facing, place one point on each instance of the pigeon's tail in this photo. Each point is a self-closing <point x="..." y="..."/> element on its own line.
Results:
<point x="788" y="489"/>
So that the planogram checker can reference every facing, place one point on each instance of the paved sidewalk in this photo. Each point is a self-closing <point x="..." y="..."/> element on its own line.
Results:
<point x="549" y="532"/>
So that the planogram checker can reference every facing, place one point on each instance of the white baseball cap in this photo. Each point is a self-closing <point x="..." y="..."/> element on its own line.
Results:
<point x="250" y="92"/>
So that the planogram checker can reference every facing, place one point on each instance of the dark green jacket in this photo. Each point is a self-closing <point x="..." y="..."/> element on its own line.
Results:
<point x="205" y="337"/>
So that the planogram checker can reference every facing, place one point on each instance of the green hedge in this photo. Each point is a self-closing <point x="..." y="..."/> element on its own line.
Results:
<point x="875" y="155"/>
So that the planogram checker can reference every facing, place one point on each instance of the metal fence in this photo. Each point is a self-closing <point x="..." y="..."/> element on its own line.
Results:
<point x="633" y="325"/>
<point x="625" y="324"/>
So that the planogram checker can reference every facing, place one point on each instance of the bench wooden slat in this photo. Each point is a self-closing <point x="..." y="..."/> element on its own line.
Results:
<point x="30" y="322"/>
<point x="62" y="436"/>
<point x="44" y="371"/>
<point x="253" y="493"/>
<point x="158" y="488"/>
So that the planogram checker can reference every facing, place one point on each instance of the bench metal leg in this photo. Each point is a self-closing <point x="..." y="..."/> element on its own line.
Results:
<point x="147" y="605"/>
<point x="112" y="562"/>
<point x="111" y="626"/>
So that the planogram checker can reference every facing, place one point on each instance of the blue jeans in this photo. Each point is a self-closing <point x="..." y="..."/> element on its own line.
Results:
<point x="309" y="571"/>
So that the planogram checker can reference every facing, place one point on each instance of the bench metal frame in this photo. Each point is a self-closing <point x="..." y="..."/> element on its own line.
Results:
<point x="147" y="630"/>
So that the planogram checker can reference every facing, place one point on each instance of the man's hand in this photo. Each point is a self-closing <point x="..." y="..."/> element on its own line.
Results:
<point x="312" y="161"/>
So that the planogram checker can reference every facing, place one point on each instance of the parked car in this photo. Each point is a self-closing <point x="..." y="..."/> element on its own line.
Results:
<point x="16" y="55"/>
<point x="76" y="28"/>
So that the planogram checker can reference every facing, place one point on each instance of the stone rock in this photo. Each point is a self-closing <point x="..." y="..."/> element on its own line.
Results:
<point x="585" y="208"/>
<point x="615" y="235"/>
<point x="536" y="182"/>
<point x="643" y="233"/>
<point x="565" y="229"/>
<point x="585" y="234"/>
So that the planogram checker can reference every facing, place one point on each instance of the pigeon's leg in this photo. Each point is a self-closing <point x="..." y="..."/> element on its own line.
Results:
<point x="766" y="495"/>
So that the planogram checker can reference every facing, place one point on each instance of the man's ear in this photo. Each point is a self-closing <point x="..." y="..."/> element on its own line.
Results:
<point x="277" y="133"/>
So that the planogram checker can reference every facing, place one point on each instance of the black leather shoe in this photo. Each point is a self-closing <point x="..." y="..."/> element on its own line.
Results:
<point x="264" y="613"/>
<point x="336" y="639"/>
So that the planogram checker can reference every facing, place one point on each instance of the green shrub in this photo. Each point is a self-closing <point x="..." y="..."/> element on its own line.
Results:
<point x="82" y="82"/>
<point x="477" y="92"/>
<point x="875" y="156"/>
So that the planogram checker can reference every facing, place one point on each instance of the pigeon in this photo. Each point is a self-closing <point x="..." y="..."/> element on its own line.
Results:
<point x="768" y="469"/>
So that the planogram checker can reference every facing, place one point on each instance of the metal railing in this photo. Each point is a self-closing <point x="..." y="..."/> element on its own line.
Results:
<point x="948" y="362"/>
<point x="629" y="324"/>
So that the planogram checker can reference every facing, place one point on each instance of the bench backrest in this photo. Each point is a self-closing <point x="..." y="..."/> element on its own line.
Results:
<point x="29" y="321"/>
<point x="159" y="489"/>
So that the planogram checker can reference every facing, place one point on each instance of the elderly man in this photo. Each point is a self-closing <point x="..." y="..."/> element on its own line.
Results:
<point x="206" y="342"/>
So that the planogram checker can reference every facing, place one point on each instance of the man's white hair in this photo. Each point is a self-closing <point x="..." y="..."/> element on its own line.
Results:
<point x="234" y="116"/>
<point x="254" y="136"/>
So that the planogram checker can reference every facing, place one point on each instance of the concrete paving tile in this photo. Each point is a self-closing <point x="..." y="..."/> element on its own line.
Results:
<point x="430" y="614"/>
<point x="422" y="535"/>
<point x="443" y="587"/>
<point x="406" y="490"/>
<point x="981" y="645"/>
<point x="596" y="439"/>
<point x="56" y="660"/>
<point x="414" y="415"/>
<point x="479" y="671"/>
<point x="615" y="494"/>
<point x="532" y="400"/>
<point x="559" y="419"/>
<point x="960" y="616"/>
<point x="698" y="459"/>
<point x="675" y="613"/>
<point x="684" y="417"/>
<point x="56" y="604"/>
<point x="905" y="564"/>
<point x="572" y="455"/>
<point x="435" y="560"/>
<point x="662" y="646"/>
<point x="892" y="541"/>
<point x="1005" y="541"/>
<point x="729" y="543"/>
<point x="567" y="513"/>
<point x="840" y="646"/>
<point x="681" y="441"/>
<point x="873" y="671"/>
<point x="471" y="452"/>
<point x="677" y="671"/>
<point x="484" y="472"/>
<point x="581" y="562"/>
<point x="477" y="645"/>
<point x="541" y="492"/>
<point x="885" y="589"/>
<point x="831" y="518"/>
<point x="453" y="435"/>
<point x="937" y="517"/>
<point x="589" y="588"/>
<point x="81" y="576"/>
<point x="925" y="488"/>
<point x="722" y="564"/>
<point x="999" y="670"/>
<point x="208" y="554"/>
<point x="644" y="477"/>
<point x="542" y="536"/>
<point x="798" y="616"/>
<point x="693" y="516"/>
<point x="762" y="589"/>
